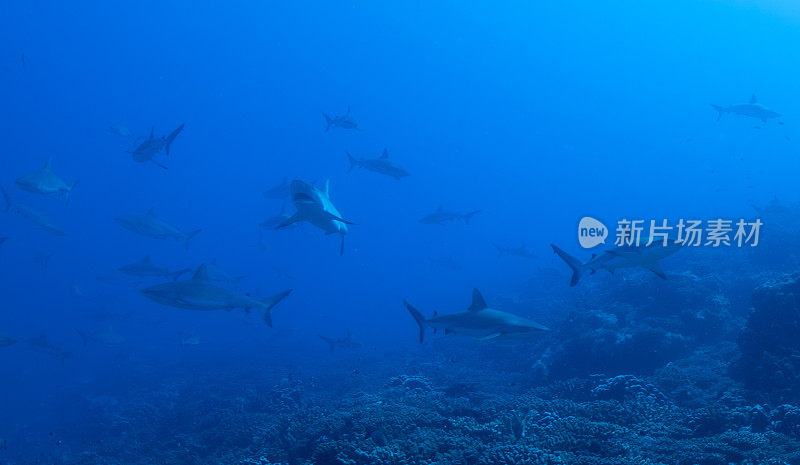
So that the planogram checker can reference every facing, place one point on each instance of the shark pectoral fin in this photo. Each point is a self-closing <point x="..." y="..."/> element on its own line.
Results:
<point x="656" y="268"/>
<point x="331" y="216"/>
<point x="491" y="336"/>
<point x="290" y="221"/>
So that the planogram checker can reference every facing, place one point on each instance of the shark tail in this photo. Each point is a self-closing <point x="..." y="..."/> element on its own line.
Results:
<point x="468" y="216"/>
<point x="172" y="137"/>
<point x="189" y="236"/>
<point x="69" y="191"/>
<point x="329" y="341"/>
<point x="328" y="122"/>
<point x="83" y="336"/>
<point x="270" y="302"/>
<point x="720" y="111"/>
<point x="418" y="318"/>
<point x="574" y="263"/>
<point x="6" y="198"/>
<point x="177" y="274"/>
<point x="353" y="162"/>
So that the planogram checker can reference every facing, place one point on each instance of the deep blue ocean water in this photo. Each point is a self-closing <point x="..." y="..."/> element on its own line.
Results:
<point x="535" y="113"/>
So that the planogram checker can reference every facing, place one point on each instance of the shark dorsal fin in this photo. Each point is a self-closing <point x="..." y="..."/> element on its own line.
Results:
<point x="152" y="211"/>
<point x="753" y="99"/>
<point x="348" y="111"/>
<point x="477" y="302"/>
<point x="146" y="259"/>
<point x="327" y="188"/>
<point x="594" y="255"/>
<point x="201" y="274"/>
<point x="47" y="164"/>
<point x="385" y="154"/>
<point x="152" y="130"/>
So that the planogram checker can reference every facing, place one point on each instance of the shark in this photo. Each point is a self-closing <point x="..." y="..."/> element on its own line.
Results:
<point x="37" y="217"/>
<point x="151" y="226"/>
<point x="478" y="321"/>
<point x="382" y="165"/>
<point x="145" y="268"/>
<point x="43" y="345"/>
<point x="521" y="251"/>
<point x="621" y="257"/>
<point x="314" y="206"/>
<point x="44" y="181"/>
<point x="199" y="293"/>
<point x="345" y="342"/>
<point x="442" y="216"/>
<point x="6" y="340"/>
<point x="343" y="121"/>
<point x="147" y="150"/>
<point x="752" y="109"/>
<point x="278" y="191"/>
<point x="108" y="337"/>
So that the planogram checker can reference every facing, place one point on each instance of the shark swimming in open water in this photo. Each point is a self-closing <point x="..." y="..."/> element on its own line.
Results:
<point x="621" y="257"/>
<point x="314" y="206"/>
<point x="151" y="226"/>
<point x="6" y="340"/>
<point x="147" y="150"/>
<point x="37" y="217"/>
<point x="752" y="109"/>
<point x="146" y="269"/>
<point x="382" y="165"/>
<point x="442" y="216"/>
<point x="199" y="293"/>
<point x="345" y="342"/>
<point x="343" y="121"/>
<point x="521" y="251"/>
<point x="478" y="321"/>
<point x="44" y="181"/>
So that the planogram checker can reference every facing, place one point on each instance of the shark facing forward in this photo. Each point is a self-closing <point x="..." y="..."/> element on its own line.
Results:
<point x="478" y="321"/>
<point x="45" y="182"/>
<point x="147" y="150"/>
<point x="315" y="206"/>
<point x="199" y="293"/>
<point x="621" y="257"/>
<point x="340" y="121"/>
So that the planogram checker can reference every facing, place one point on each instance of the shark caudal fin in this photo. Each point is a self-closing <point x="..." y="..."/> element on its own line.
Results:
<point x="189" y="237"/>
<point x="171" y="138"/>
<point x="6" y="198"/>
<point x="418" y="318"/>
<point x="69" y="191"/>
<point x="328" y="122"/>
<point x="83" y="337"/>
<point x="468" y="216"/>
<point x="720" y="111"/>
<point x="353" y="162"/>
<point x="270" y="302"/>
<point x="331" y="343"/>
<point x="574" y="263"/>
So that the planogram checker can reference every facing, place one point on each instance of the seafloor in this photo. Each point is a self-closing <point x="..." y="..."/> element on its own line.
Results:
<point x="703" y="368"/>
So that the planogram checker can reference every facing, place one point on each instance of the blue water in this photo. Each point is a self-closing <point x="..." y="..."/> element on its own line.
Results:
<point x="535" y="113"/>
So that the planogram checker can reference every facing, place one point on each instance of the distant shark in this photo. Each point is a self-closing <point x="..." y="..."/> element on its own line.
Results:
<point x="199" y="293"/>
<point x="6" y="340"/>
<point x="521" y="251"/>
<point x="442" y="216"/>
<point x="148" y="149"/>
<point x="346" y="342"/>
<point x="382" y="165"/>
<point x="44" y="181"/>
<point x="478" y="321"/>
<point x="621" y="257"/>
<point x="752" y="109"/>
<point x="151" y="226"/>
<point x="37" y="217"/>
<point x="344" y="121"/>
<point x="145" y="268"/>
<point x="314" y="206"/>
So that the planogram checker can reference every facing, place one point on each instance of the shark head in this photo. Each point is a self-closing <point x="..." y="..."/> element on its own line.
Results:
<point x="305" y="194"/>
